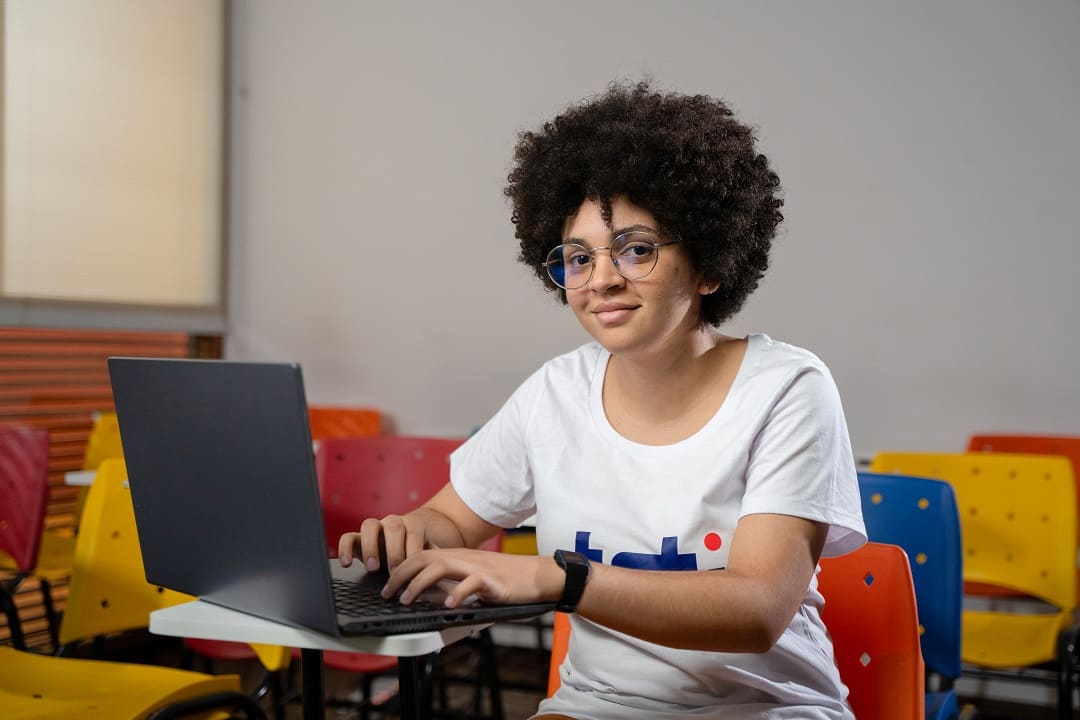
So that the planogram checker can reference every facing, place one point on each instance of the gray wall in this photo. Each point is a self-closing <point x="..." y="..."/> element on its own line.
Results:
<point x="928" y="152"/>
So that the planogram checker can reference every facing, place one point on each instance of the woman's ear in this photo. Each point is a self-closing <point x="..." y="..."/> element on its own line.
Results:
<point x="707" y="287"/>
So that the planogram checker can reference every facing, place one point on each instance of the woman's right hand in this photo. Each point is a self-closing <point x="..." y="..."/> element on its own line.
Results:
<point x="384" y="544"/>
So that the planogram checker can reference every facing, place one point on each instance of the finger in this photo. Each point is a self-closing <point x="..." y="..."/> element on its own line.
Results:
<point x="430" y="575"/>
<point x="414" y="539"/>
<point x="371" y="538"/>
<point x="396" y="535"/>
<point x="402" y="574"/>
<point x="469" y="589"/>
<point x="347" y="543"/>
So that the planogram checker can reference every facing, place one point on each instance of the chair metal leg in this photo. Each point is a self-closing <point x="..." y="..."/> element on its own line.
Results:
<point x="1066" y="671"/>
<point x="15" y="633"/>
<point x="51" y="616"/>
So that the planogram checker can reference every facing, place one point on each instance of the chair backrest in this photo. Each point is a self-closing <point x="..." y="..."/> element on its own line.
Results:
<point x="1017" y="517"/>
<point x="560" y="643"/>
<point x="103" y="442"/>
<point x="871" y="615"/>
<point x="108" y="591"/>
<point x="1066" y="446"/>
<point x="920" y="515"/>
<point x="340" y="422"/>
<point x="377" y="475"/>
<point x="24" y="492"/>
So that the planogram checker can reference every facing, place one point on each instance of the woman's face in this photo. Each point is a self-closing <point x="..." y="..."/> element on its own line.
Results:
<point x="632" y="316"/>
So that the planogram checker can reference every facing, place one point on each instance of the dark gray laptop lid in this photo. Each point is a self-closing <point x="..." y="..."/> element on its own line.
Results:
<point x="222" y="477"/>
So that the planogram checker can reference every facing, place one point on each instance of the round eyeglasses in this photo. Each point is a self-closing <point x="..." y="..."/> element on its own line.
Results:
<point x="633" y="255"/>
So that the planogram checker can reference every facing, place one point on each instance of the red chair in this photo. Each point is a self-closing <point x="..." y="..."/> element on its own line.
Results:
<point x="870" y="614"/>
<point x="24" y="498"/>
<point x="374" y="476"/>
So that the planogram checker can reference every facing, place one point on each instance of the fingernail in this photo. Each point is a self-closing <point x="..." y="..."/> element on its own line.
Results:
<point x="372" y="564"/>
<point x="385" y="592"/>
<point x="451" y="601"/>
<point x="406" y="597"/>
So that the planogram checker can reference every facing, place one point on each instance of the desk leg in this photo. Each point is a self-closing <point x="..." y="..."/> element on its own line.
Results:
<point x="414" y="687"/>
<point x="311" y="679"/>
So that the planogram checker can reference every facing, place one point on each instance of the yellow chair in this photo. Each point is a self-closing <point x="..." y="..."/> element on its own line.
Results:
<point x="103" y="442"/>
<point x="44" y="687"/>
<point x="1018" y="526"/>
<point x="108" y="591"/>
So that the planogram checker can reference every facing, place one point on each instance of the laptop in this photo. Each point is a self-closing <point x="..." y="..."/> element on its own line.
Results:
<point x="222" y="476"/>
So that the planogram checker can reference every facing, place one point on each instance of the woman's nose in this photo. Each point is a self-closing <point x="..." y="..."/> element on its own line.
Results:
<point x="604" y="276"/>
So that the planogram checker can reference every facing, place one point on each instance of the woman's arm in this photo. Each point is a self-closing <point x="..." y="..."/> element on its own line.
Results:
<point x="743" y="608"/>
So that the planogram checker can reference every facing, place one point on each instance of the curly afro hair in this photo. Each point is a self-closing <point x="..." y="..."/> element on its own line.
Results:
<point x="684" y="158"/>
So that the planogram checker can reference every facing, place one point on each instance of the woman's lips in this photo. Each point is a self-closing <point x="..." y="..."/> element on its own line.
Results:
<point x="611" y="313"/>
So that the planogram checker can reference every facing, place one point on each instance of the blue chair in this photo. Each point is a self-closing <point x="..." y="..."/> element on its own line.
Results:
<point x="920" y="515"/>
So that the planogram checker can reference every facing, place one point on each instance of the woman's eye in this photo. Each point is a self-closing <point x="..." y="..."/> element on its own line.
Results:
<point x="579" y="260"/>
<point x="637" y="252"/>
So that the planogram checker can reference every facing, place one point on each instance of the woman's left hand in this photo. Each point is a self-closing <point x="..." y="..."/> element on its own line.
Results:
<point x="495" y="578"/>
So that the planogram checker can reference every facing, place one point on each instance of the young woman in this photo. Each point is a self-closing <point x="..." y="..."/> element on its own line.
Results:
<point x="685" y="483"/>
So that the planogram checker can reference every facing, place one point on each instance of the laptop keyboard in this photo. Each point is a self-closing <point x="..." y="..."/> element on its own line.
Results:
<point x="360" y="598"/>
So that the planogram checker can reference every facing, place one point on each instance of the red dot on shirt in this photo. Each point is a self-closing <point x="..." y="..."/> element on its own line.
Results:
<point x="712" y="541"/>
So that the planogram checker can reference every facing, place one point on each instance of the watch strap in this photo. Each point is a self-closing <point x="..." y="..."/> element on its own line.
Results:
<point x="576" y="566"/>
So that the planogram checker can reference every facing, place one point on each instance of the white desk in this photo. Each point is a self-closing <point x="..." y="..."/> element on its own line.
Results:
<point x="205" y="620"/>
<point x="81" y="478"/>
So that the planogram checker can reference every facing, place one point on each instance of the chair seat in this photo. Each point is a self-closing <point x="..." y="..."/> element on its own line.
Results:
<point x="43" y="686"/>
<point x="1006" y="640"/>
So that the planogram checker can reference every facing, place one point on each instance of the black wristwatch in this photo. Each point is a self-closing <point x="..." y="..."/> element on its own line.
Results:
<point x="576" y="567"/>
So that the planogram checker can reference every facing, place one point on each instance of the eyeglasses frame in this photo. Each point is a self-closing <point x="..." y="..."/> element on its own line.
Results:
<point x="592" y="253"/>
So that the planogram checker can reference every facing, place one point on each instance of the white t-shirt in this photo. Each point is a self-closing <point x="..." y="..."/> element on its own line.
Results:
<point x="778" y="444"/>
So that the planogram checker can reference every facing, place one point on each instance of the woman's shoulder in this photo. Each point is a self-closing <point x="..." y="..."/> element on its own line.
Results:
<point x="766" y="352"/>
<point x="582" y="360"/>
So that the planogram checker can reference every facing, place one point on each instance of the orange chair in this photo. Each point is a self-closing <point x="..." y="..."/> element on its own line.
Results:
<point x="373" y="476"/>
<point x="340" y="422"/>
<point x="25" y="549"/>
<point x="1066" y="446"/>
<point x="871" y="615"/>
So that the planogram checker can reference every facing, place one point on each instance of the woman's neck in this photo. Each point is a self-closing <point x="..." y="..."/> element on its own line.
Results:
<point x="673" y="392"/>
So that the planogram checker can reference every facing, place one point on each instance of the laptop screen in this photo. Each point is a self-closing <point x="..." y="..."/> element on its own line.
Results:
<point x="223" y="481"/>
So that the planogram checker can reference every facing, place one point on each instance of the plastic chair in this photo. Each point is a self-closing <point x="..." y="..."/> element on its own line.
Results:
<point x="108" y="594"/>
<point x="1065" y="446"/>
<point x="340" y="422"/>
<point x="44" y="687"/>
<point x="1018" y="524"/>
<point x="108" y="591"/>
<point x="920" y="515"/>
<point x="103" y="443"/>
<point x="25" y="548"/>
<point x="871" y="615"/>
<point x="373" y="476"/>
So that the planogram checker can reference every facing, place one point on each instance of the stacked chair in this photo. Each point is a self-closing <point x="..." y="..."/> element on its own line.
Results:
<point x="871" y="615"/>
<point x="374" y="476"/>
<point x="920" y="515"/>
<point x="108" y="594"/>
<point x="26" y="548"/>
<point x="1019" y="529"/>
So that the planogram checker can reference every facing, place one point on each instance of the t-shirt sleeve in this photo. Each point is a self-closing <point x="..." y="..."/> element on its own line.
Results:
<point x="801" y="462"/>
<point x="491" y="471"/>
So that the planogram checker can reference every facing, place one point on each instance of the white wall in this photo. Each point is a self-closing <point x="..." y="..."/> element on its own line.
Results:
<point x="928" y="152"/>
